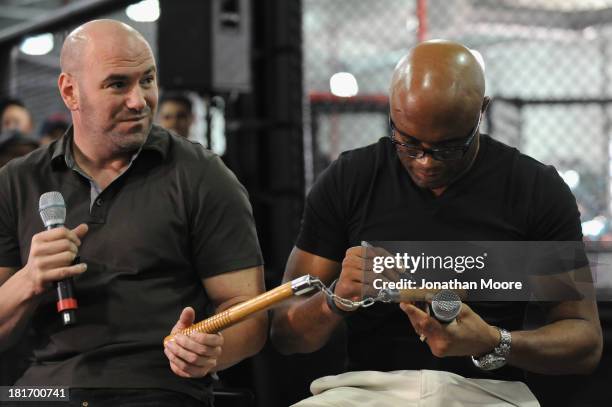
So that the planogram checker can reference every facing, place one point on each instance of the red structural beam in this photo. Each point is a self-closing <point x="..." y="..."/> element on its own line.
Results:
<point x="421" y="12"/>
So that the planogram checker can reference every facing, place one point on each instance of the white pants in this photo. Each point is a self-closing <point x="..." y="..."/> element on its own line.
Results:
<point x="415" y="388"/>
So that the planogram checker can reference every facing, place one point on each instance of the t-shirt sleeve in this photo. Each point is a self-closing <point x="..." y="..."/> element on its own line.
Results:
<point x="9" y="246"/>
<point x="555" y="225"/>
<point x="554" y="212"/>
<point x="223" y="233"/>
<point x="323" y="231"/>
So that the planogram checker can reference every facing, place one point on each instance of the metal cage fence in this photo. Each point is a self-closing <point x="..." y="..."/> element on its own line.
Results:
<point x="548" y="68"/>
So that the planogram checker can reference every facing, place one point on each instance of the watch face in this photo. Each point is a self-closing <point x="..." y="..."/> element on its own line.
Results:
<point x="489" y="361"/>
<point x="494" y="363"/>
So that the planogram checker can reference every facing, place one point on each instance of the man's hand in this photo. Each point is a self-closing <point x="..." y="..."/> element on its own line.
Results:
<point x="357" y="264"/>
<point x="195" y="355"/>
<point x="467" y="335"/>
<point x="51" y="255"/>
<point x="357" y="276"/>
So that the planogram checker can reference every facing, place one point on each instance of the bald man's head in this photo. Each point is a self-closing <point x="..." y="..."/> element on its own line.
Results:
<point x="436" y="98"/>
<point x="80" y="45"/>
<point x="441" y="79"/>
<point x="109" y="83"/>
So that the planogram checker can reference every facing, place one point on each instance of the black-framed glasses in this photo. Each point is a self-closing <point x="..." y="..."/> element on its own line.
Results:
<point x="440" y="154"/>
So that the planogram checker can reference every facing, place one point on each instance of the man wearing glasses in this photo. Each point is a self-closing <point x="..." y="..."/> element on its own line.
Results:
<point x="435" y="178"/>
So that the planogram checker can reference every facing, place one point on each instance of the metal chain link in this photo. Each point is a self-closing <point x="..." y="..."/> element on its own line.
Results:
<point x="383" y="296"/>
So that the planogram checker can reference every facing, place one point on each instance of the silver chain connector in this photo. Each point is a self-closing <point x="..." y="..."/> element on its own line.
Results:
<point x="350" y="304"/>
<point x="307" y="283"/>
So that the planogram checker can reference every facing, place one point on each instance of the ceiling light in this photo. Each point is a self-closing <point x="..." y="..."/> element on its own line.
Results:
<point x="144" y="12"/>
<point x="38" y="45"/>
<point x="343" y="84"/>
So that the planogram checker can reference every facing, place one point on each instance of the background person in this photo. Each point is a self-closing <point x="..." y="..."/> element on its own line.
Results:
<point x="176" y="113"/>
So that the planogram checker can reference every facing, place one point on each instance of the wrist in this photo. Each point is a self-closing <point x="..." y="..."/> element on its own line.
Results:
<point x="334" y="306"/>
<point x="494" y="338"/>
<point x="498" y="356"/>
<point x="343" y="307"/>
<point x="31" y="290"/>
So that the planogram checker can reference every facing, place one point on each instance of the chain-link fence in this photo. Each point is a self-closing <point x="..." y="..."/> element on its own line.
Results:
<point x="548" y="68"/>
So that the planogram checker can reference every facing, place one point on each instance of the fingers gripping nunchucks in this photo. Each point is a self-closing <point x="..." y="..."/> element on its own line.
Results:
<point x="300" y="286"/>
<point x="241" y="311"/>
<point x="237" y="313"/>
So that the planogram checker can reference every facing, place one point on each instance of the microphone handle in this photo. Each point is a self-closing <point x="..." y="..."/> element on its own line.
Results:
<point x="66" y="301"/>
<point x="238" y="312"/>
<point x="66" y="298"/>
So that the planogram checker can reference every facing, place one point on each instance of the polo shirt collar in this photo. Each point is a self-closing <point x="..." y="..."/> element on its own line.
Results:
<point x="157" y="141"/>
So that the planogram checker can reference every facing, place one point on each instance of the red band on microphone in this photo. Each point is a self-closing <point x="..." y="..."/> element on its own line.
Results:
<point x="67" y="303"/>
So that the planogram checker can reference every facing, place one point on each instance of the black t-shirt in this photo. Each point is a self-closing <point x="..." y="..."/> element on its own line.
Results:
<point x="366" y="194"/>
<point x="175" y="217"/>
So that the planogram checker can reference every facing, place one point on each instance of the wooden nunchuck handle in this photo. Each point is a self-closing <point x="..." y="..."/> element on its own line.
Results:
<point x="238" y="312"/>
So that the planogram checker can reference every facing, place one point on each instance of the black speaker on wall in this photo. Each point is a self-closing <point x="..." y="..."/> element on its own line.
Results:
<point x="205" y="45"/>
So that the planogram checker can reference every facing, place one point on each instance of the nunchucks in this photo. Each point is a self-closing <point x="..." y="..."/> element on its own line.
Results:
<point x="241" y="311"/>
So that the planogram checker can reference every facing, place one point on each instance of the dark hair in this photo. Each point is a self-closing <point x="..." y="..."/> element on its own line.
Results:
<point x="176" y="97"/>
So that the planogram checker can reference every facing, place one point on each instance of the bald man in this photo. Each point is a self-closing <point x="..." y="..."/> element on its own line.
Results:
<point x="163" y="230"/>
<point x="435" y="178"/>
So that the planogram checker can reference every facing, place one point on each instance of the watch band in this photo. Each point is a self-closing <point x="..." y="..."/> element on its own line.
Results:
<point x="497" y="358"/>
<point x="332" y="304"/>
<point x="505" y="343"/>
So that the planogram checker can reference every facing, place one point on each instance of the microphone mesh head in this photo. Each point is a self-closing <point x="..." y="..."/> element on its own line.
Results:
<point x="446" y="305"/>
<point x="52" y="208"/>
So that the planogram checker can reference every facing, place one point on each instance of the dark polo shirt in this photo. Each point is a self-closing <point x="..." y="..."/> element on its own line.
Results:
<point x="177" y="215"/>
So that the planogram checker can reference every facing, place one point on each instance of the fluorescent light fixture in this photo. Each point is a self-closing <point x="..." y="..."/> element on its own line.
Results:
<point x="38" y="45"/>
<point x="562" y="5"/>
<point x="343" y="84"/>
<point x="145" y="11"/>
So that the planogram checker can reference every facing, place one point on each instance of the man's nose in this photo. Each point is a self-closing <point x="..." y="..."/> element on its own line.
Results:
<point x="136" y="99"/>
<point x="426" y="161"/>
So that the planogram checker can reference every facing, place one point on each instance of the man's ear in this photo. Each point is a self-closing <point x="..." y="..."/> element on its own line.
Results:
<point x="68" y="90"/>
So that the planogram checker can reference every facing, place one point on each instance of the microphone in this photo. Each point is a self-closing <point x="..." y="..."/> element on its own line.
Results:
<point x="52" y="211"/>
<point x="445" y="306"/>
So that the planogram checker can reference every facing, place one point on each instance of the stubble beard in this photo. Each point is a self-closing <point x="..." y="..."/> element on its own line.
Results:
<point x="130" y="141"/>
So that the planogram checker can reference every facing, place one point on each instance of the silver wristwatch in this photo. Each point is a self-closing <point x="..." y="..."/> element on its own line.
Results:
<point x="496" y="358"/>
